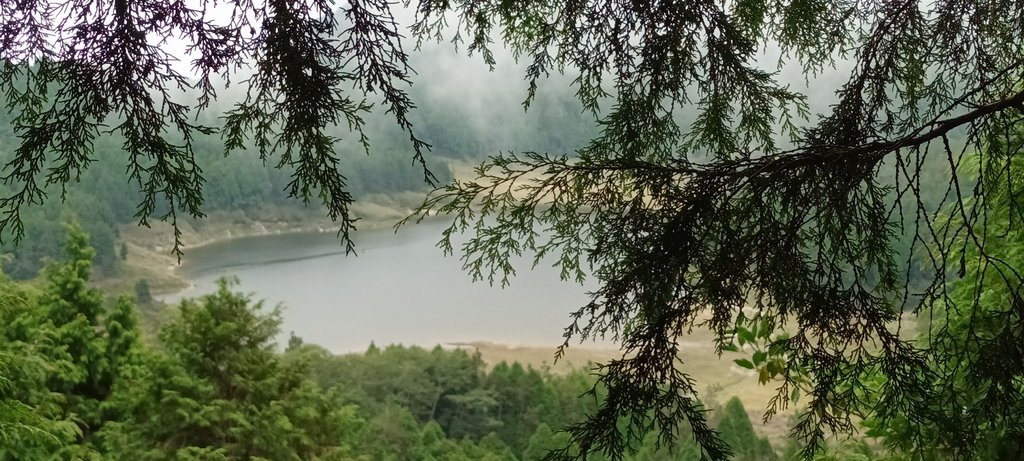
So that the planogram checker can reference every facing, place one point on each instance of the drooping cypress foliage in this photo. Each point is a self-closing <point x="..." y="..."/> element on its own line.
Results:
<point x="974" y="331"/>
<point x="686" y="208"/>
<point x="689" y="213"/>
<point x="313" y="69"/>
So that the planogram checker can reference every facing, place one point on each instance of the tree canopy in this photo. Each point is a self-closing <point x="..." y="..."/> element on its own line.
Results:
<point x="80" y="378"/>
<point x="712" y="196"/>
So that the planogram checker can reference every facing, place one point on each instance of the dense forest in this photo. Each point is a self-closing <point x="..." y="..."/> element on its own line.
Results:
<point x="81" y="377"/>
<point x="211" y="384"/>
<point x="208" y="381"/>
<point x="861" y="254"/>
<point x="104" y="197"/>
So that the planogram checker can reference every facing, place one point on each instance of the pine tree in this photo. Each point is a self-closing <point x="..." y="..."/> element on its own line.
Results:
<point x="542" y="441"/>
<point x="216" y="389"/>
<point x="99" y="345"/>
<point x="737" y="431"/>
<point x="32" y="424"/>
<point x="74" y="350"/>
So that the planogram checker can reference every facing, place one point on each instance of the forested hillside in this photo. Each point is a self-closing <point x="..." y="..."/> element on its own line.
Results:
<point x="82" y="379"/>
<point x="212" y="384"/>
<point x="104" y="197"/>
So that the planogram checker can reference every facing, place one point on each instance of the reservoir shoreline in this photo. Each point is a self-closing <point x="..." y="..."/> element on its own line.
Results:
<point x="149" y="253"/>
<point x="399" y="289"/>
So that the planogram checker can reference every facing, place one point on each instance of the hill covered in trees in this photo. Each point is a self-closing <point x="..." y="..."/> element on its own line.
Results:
<point x="211" y="384"/>
<point x="80" y="378"/>
<point x="242" y="183"/>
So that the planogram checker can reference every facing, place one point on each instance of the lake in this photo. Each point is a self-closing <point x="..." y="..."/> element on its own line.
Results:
<point x="399" y="289"/>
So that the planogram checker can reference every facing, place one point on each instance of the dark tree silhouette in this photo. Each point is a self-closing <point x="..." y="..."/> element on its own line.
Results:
<point x="705" y="223"/>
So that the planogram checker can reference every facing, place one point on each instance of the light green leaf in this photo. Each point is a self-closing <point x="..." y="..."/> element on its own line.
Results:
<point x="744" y="363"/>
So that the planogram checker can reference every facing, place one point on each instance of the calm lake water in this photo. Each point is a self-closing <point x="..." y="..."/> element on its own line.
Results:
<point x="399" y="289"/>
